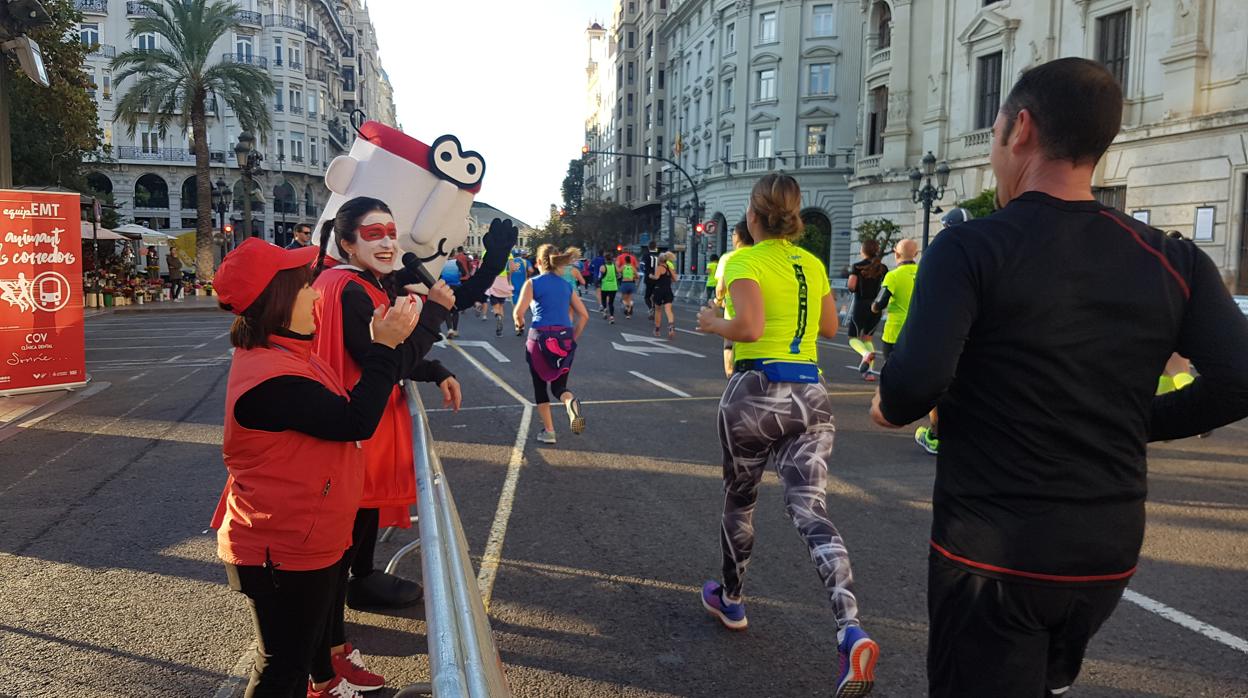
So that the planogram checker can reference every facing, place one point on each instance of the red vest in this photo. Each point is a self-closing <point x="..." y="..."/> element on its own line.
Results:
<point x="389" y="479"/>
<point x="291" y="498"/>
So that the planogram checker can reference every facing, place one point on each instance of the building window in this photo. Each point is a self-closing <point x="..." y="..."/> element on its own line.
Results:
<point x="89" y="34"/>
<point x="108" y="84"/>
<point x="762" y="143"/>
<point x="988" y="90"/>
<point x="730" y="38"/>
<point x="1115" y="197"/>
<point x="243" y="49"/>
<point x="1113" y="43"/>
<point x="697" y="111"/>
<point x="628" y="142"/>
<point x="883" y="25"/>
<point x="632" y="71"/>
<point x="659" y="144"/>
<point x="767" y="27"/>
<point x="877" y="121"/>
<point x="150" y="141"/>
<point x="659" y="109"/>
<point x="661" y="79"/>
<point x="281" y="149"/>
<point x="277" y="50"/>
<point x="632" y="40"/>
<point x="726" y="146"/>
<point x="766" y="86"/>
<point x="816" y="139"/>
<point x="726" y="95"/>
<point x="649" y="80"/>
<point x="819" y="79"/>
<point x="629" y="99"/>
<point x="296" y="147"/>
<point x="649" y="122"/>
<point x="822" y="20"/>
<point x="145" y="42"/>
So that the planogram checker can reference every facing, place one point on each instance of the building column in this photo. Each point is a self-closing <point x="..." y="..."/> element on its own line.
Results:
<point x="897" y="135"/>
<point x="1185" y="64"/>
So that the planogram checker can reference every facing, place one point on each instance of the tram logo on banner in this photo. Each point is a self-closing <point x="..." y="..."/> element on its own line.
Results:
<point x="42" y="345"/>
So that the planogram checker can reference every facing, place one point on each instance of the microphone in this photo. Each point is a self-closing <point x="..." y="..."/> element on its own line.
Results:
<point x="412" y="265"/>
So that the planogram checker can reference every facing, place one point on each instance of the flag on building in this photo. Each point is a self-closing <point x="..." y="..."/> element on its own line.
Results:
<point x="679" y="146"/>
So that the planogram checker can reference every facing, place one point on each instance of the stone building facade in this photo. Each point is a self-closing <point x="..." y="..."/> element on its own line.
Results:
<point x="756" y="86"/>
<point x="937" y="70"/>
<point x="322" y="57"/>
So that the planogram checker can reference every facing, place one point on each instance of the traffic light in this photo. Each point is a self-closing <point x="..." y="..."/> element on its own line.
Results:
<point x="619" y="248"/>
<point x="228" y="229"/>
<point x="699" y="228"/>
<point x="585" y="150"/>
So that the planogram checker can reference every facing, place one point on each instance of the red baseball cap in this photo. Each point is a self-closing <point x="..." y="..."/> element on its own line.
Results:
<point x="247" y="271"/>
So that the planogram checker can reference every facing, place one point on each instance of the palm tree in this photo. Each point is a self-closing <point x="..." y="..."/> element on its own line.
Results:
<point x="177" y="79"/>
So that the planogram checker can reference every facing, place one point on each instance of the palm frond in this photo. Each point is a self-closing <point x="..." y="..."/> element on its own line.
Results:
<point x="246" y="89"/>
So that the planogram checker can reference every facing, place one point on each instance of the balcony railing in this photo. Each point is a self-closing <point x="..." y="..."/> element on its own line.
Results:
<point x="216" y="156"/>
<point x="296" y="158"/>
<point x="94" y="7"/>
<point x="815" y="161"/>
<point x="247" y="17"/>
<point x="103" y="51"/>
<point x="295" y="65"/>
<point x="279" y="107"/>
<point x="135" y="152"/>
<point x="881" y="56"/>
<point x="296" y="109"/>
<point x="868" y="163"/>
<point x="757" y="164"/>
<point x="319" y="75"/>
<point x="138" y="9"/>
<point x="977" y="138"/>
<point x="247" y="58"/>
<point x="285" y="21"/>
<point x="312" y="33"/>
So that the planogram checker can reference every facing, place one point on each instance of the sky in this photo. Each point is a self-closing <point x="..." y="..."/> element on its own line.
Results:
<point x="505" y="76"/>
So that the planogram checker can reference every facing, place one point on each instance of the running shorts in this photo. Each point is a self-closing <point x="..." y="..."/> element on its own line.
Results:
<point x="662" y="297"/>
<point x="628" y="287"/>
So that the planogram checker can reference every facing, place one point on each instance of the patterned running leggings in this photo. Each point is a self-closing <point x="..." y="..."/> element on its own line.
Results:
<point x="789" y="424"/>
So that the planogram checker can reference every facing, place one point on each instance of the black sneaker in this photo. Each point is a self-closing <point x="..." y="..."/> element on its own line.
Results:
<point x="381" y="590"/>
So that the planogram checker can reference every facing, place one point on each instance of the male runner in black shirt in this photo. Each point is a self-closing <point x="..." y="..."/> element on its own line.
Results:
<point x="1038" y="508"/>
<point x="649" y="272"/>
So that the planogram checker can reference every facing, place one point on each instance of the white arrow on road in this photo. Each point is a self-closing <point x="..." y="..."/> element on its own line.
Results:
<point x="489" y="349"/>
<point x="652" y="345"/>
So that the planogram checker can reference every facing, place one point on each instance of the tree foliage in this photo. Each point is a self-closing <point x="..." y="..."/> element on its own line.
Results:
<point x="881" y="229"/>
<point x="601" y="225"/>
<point x="574" y="186"/>
<point x="55" y="128"/>
<point x="816" y="241"/>
<point x="175" y="84"/>
<point x="982" y="205"/>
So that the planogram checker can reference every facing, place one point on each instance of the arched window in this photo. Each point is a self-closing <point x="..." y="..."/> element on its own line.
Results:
<point x="100" y="183"/>
<point x="257" y="204"/>
<point x="284" y="199"/>
<point x="883" y="25"/>
<point x="190" y="192"/>
<point x="818" y="235"/>
<point x="309" y="202"/>
<point x="150" y="191"/>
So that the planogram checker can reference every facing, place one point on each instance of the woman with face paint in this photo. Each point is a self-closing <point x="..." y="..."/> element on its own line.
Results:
<point x="365" y="236"/>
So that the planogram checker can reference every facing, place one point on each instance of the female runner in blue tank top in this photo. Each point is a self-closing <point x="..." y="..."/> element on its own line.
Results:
<point x="552" y="338"/>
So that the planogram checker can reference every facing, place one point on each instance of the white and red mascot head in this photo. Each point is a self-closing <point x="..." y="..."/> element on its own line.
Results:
<point x="429" y="189"/>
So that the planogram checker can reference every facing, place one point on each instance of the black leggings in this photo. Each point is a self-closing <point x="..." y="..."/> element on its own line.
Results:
<point x="558" y="386"/>
<point x="291" y="612"/>
<point x="357" y="562"/>
<point x="608" y="300"/>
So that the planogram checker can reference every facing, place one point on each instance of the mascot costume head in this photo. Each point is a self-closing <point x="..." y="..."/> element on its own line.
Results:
<point x="429" y="188"/>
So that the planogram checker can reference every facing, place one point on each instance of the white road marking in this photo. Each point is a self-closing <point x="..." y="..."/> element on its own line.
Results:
<point x="651" y="345"/>
<point x="661" y="384"/>
<point x="489" y="349"/>
<point x="694" y="332"/>
<point x="1176" y="616"/>
<point x="473" y="408"/>
<point x="137" y="376"/>
<point x="502" y="515"/>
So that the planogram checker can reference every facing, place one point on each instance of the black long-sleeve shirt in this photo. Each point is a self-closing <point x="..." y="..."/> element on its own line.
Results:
<point x="357" y="318"/>
<point x="1040" y="332"/>
<point x="304" y="405"/>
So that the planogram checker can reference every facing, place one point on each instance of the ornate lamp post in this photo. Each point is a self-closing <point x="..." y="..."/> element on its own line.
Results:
<point x="249" y="165"/>
<point x="922" y="191"/>
<point x="221" y="202"/>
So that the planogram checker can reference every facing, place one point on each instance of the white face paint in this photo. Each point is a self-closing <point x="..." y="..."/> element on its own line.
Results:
<point x="377" y="255"/>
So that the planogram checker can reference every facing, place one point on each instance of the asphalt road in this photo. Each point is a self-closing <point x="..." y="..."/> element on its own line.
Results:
<point x="112" y="588"/>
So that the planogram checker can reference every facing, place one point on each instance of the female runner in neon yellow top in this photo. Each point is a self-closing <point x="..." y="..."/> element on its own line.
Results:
<point x="775" y="409"/>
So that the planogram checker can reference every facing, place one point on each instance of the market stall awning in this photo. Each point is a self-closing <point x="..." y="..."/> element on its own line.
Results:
<point x="101" y="233"/>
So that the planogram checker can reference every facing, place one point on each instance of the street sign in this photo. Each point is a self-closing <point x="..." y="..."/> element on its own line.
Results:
<point x="650" y="345"/>
<point x="712" y="226"/>
<point x="43" y="338"/>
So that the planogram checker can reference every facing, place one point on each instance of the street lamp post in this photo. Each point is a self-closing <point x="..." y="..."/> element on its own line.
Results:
<point x="922" y="191"/>
<point x="249" y="165"/>
<point x="221" y="201"/>
<point x="281" y="159"/>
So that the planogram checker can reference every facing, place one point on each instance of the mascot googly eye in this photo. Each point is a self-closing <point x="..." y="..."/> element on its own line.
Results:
<point x="448" y="160"/>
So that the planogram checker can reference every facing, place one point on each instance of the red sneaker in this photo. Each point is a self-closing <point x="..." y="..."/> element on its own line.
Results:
<point x="350" y="666"/>
<point x="338" y="688"/>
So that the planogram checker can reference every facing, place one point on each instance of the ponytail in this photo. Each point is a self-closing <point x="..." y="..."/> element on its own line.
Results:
<point x="327" y="229"/>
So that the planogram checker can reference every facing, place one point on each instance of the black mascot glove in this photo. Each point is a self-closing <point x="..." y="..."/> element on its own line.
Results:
<point x="499" y="242"/>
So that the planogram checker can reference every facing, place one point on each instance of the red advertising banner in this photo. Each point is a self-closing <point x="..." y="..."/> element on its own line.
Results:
<point x="42" y="342"/>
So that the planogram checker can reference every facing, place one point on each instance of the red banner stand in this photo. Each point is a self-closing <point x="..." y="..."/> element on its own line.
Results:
<point x="42" y="340"/>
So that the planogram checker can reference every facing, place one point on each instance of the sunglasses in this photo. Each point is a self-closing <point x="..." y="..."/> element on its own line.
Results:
<point x="377" y="231"/>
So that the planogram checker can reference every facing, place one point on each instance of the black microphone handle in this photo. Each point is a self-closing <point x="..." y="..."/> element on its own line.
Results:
<point x="412" y="263"/>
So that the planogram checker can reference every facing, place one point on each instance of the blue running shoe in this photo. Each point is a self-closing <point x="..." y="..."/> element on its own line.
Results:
<point x="732" y="615"/>
<point x="858" y="654"/>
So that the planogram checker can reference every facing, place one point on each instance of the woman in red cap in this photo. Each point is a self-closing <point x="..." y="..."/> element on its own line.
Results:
<point x="296" y="470"/>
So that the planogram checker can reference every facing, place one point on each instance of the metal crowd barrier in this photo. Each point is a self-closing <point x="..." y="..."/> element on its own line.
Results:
<point x="463" y="661"/>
